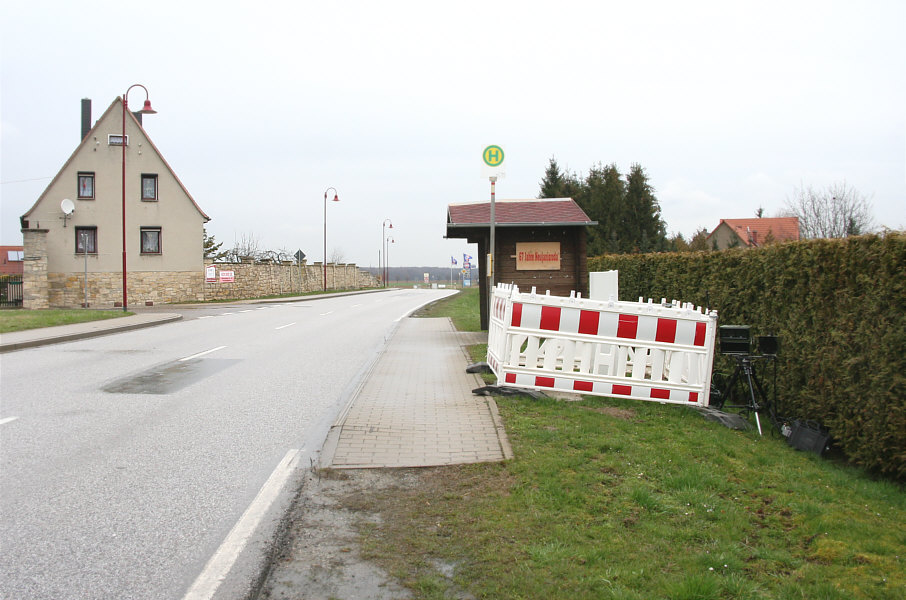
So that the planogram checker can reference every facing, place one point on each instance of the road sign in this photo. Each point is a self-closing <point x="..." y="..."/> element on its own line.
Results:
<point x="492" y="161"/>
<point x="300" y="256"/>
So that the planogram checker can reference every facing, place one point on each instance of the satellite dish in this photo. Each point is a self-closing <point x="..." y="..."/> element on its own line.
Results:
<point x="67" y="206"/>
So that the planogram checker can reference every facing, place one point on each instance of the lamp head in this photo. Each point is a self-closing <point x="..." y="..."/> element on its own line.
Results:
<point x="147" y="110"/>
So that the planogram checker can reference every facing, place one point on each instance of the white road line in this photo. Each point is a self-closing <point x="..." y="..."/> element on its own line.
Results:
<point x="7" y="420"/>
<point x="219" y="565"/>
<point x="205" y="316"/>
<point x="262" y="308"/>
<point x="202" y="353"/>
<point x="285" y="326"/>
<point x="246" y="310"/>
<point x="354" y="305"/>
<point x="330" y="312"/>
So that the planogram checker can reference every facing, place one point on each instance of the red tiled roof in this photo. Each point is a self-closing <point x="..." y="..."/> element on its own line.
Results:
<point x="753" y="232"/>
<point x="556" y="211"/>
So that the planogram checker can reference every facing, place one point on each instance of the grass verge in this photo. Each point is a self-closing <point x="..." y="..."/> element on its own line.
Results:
<point x="20" y="320"/>
<point x="462" y="308"/>
<point x="610" y="498"/>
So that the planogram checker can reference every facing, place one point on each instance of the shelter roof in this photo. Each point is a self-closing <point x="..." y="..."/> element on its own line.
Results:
<point x="546" y="211"/>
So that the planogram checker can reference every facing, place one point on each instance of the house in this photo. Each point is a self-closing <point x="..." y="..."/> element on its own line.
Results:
<point x="67" y="255"/>
<point x="752" y="233"/>
<point x="11" y="260"/>
<point x="538" y="243"/>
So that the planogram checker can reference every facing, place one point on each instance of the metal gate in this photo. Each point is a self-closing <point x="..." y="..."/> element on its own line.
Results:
<point x="10" y="291"/>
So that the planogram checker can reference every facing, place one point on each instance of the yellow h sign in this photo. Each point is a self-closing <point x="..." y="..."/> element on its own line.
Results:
<point x="493" y="156"/>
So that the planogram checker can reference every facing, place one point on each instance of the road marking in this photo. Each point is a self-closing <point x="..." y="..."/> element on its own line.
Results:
<point x="219" y="565"/>
<point x="285" y="326"/>
<point x="205" y="316"/>
<point x="7" y="420"/>
<point x="202" y="353"/>
<point x="354" y="305"/>
<point x="246" y="310"/>
<point x="262" y="308"/>
<point x="327" y="313"/>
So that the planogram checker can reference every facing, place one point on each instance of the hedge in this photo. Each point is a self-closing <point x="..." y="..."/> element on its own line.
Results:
<point x="839" y="308"/>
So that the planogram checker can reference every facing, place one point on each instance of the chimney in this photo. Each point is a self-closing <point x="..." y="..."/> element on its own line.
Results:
<point x="86" y="117"/>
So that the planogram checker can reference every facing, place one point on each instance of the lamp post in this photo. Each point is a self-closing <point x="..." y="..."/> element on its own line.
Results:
<point x="387" y="241"/>
<point x="384" y="242"/>
<point x="336" y="198"/>
<point x="146" y="110"/>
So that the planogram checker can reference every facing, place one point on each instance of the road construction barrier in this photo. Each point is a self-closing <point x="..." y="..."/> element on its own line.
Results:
<point x="641" y="350"/>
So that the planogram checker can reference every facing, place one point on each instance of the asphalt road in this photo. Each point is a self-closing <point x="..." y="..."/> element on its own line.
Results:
<point x="130" y="461"/>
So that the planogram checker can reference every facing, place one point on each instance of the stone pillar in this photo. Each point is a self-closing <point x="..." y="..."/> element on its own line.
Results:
<point x="35" y="285"/>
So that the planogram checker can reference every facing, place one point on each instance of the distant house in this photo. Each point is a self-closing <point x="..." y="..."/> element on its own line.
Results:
<point x="11" y="260"/>
<point x="164" y="227"/>
<point x="752" y="233"/>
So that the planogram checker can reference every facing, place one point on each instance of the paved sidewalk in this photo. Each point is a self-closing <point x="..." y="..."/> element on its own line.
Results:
<point x="416" y="407"/>
<point x="17" y="340"/>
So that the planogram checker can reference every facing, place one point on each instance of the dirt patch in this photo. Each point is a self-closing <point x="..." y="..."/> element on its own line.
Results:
<point x="321" y="559"/>
<point x="612" y="411"/>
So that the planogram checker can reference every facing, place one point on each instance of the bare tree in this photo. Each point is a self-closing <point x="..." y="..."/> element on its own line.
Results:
<point x="246" y="247"/>
<point x="336" y="257"/>
<point x="838" y="211"/>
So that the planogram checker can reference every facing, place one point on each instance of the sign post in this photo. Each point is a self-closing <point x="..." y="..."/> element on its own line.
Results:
<point x="493" y="168"/>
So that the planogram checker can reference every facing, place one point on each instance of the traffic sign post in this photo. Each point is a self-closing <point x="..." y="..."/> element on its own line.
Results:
<point x="494" y="168"/>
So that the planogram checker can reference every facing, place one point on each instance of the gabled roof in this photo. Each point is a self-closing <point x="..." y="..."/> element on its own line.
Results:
<point x="754" y="232"/>
<point x="117" y="104"/>
<point x="548" y="211"/>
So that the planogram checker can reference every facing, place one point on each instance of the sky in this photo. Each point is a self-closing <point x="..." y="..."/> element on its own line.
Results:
<point x="263" y="106"/>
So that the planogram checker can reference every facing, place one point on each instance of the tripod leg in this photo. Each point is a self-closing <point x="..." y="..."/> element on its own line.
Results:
<point x="754" y="404"/>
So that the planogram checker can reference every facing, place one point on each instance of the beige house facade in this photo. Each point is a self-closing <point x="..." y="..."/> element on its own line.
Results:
<point x="164" y="226"/>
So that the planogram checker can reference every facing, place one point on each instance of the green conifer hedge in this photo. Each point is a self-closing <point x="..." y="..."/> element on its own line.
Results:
<point x="839" y="308"/>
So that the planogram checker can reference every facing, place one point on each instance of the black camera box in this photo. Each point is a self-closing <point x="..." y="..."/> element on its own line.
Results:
<point x="735" y="339"/>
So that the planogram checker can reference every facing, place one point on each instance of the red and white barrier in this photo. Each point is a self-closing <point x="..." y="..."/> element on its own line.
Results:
<point x="641" y="350"/>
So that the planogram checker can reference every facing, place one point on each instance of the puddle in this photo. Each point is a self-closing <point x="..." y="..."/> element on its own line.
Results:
<point x="169" y="378"/>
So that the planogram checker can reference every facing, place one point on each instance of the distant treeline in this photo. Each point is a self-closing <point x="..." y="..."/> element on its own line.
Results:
<point x="436" y="274"/>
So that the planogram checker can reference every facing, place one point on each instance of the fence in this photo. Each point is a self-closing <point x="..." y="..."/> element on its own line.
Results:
<point x="10" y="291"/>
<point x="645" y="351"/>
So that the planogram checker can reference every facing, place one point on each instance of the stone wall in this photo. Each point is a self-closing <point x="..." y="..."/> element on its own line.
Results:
<point x="42" y="289"/>
<point x="105" y="290"/>
<point x="256" y="280"/>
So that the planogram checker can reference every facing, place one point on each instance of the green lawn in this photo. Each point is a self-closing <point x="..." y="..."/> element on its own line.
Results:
<point x="20" y="320"/>
<point x="611" y="498"/>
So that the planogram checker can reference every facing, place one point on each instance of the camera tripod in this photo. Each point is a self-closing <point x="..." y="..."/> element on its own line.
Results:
<point x="745" y="367"/>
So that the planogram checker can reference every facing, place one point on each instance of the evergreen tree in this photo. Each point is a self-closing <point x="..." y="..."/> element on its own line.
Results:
<point x="645" y="230"/>
<point x="626" y="209"/>
<point x="212" y="248"/>
<point x="557" y="183"/>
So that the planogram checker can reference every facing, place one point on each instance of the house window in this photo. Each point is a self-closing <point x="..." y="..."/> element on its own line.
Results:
<point x="150" y="240"/>
<point x="149" y="187"/>
<point x="86" y="240"/>
<point x="86" y="186"/>
<point x="116" y="139"/>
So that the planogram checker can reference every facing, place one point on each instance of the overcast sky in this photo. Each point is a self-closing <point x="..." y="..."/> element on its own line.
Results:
<point x="264" y="105"/>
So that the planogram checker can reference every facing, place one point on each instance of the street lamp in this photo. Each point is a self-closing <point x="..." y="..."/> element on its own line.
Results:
<point x="336" y="198"/>
<point x="389" y="240"/>
<point x="383" y="241"/>
<point x="146" y="110"/>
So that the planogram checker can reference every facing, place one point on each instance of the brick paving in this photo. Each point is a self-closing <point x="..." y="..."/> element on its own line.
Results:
<point x="416" y="407"/>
